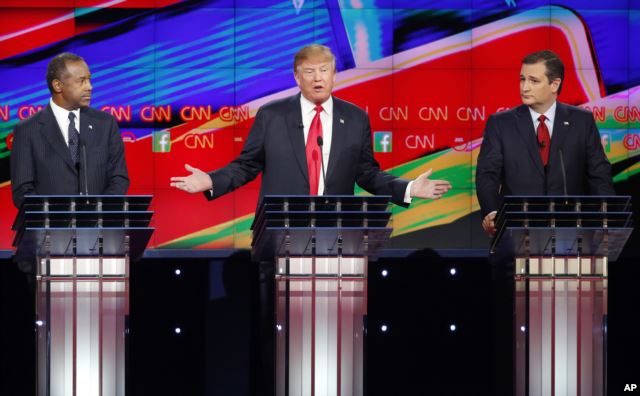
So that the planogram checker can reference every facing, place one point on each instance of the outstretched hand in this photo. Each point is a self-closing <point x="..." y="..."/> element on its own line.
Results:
<point x="423" y="187"/>
<point x="197" y="181"/>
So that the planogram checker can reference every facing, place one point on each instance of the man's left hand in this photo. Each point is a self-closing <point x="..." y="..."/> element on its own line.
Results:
<point x="423" y="187"/>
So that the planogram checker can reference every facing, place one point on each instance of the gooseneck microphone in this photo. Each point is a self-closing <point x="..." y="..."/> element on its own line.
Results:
<point x="564" y="172"/>
<point x="324" y="176"/>
<point x="83" y="165"/>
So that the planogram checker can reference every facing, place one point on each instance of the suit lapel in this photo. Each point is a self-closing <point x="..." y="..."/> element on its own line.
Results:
<point x="561" y="126"/>
<point x="296" y="134"/>
<point x="338" y="135"/>
<point x="528" y="135"/>
<point x="52" y="134"/>
<point x="87" y="128"/>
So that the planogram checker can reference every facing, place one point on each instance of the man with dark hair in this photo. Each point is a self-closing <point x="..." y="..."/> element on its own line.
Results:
<point x="531" y="150"/>
<point x="552" y="133"/>
<point x="46" y="157"/>
<point x="554" y="66"/>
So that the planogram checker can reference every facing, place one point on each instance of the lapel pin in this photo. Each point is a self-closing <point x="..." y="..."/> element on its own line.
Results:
<point x="91" y="127"/>
<point x="341" y="121"/>
<point x="566" y="123"/>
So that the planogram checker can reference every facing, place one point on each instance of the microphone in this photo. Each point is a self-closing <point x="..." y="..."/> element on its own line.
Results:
<point x="564" y="172"/>
<point x="83" y="164"/>
<point x="300" y="125"/>
<point x="542" y="143"/>
<point x="324" y="176"/>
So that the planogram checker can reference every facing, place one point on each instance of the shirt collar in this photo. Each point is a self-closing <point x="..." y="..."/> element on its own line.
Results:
<point x="62" y="113"/>
<point x="549" y="114"/>
<point x="309" y="107"/>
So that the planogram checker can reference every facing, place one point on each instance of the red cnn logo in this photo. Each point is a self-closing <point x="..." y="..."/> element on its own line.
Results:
<point x="631" y="141"/>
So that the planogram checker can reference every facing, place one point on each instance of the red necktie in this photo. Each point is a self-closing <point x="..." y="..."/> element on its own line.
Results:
<point x="544" y="140"/>
<point x="313" y="152"/>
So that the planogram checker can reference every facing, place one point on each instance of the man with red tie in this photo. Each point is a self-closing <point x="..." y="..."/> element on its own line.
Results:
<point x="288" y="135"/>
<point x="285" y="144"/>
<point x="542" y="147"/>
<point x="525" y="148"/>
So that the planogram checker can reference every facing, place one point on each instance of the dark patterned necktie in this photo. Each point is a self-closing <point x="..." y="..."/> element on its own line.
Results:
<point x="74" y="138"/>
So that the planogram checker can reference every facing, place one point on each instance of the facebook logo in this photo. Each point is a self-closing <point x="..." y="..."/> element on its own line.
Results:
<point x="161" y="142"/>
<point x="382" y="142"/>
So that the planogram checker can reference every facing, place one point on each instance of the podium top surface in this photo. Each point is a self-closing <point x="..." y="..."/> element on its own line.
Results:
<point x="326" y="225"/>
<point x="563" y="225"/>
<point x="83" y="225"/>
<point x="55" y="200"/>
<point x="318" y="199"/>
<point x="43" y="204"/>
<point x="620" y="201"/>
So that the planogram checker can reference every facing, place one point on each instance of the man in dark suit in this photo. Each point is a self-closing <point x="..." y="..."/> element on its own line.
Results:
<point x="285" y="143"/>
<point x="47" y="149"/>
<point x="276" y="146"/>
<point x="45" y="159"/>
<point x="542" y="147"/>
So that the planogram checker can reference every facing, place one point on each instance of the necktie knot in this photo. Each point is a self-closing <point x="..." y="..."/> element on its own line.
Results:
<point x="319" y="109"/>
<point x="72" y="116"/>
<point x="542" y="118"/>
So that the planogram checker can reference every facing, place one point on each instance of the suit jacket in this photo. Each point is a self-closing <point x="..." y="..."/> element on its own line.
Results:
<point x="276" y="147"/>
<point x="41" y="162"/>
<point x="509" y="162"/>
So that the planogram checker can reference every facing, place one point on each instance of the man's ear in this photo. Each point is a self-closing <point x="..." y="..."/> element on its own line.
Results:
<point x="57" y="85"/>
<point x="555" y="85"/>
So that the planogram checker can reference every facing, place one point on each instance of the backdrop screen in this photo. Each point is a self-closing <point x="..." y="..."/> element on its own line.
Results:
<point x="185" y="79"/>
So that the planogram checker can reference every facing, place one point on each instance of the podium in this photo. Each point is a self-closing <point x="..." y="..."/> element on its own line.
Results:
<point x="320" y="246"/>
<point x="81" y="247"/>
<point x="562" y="246"/>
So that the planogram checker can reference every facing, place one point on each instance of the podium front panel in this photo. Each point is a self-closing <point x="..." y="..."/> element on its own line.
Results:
<point x="320" y="328"/>
<point x="81" y="311"/>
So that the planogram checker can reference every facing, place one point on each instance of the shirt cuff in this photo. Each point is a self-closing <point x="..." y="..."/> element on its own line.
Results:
<point x="407" y="193"/>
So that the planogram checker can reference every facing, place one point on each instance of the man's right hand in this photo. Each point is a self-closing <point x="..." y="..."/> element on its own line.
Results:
<point x="489" y="223"/>
<point x="197" y="181"/>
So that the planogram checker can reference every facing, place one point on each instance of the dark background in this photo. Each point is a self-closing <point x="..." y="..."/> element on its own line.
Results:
<point x="214" y="302"/>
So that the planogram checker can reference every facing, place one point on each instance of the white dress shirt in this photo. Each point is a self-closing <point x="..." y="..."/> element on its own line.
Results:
<point x="550" y="115"/>
<point x="326" y="118"/>
<point x="62" y="117"/>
